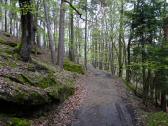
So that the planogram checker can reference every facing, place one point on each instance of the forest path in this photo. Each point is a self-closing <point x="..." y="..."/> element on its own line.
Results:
<point x="103" y="105"/>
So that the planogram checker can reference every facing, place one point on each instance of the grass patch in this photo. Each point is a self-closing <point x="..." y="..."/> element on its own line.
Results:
<point x="157" y="119"/>
<point x="72" y="67"/>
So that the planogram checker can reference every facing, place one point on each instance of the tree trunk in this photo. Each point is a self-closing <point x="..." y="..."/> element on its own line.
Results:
<point x="6" y="22"/>
<point x="128" y="71"/>
<point x="86" y="24"/>
<point x="120" y="40"/>
<point x="50" y="35"/>
<point x="71" y="43"/>
<point x="27" y="30"/>
<point x="163" y="101"/>
<point x="60" y="61"/>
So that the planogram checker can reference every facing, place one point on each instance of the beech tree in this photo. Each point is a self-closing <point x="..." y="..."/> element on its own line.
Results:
<point x="27" y="29"/>
<point x="50" y="35"/>
<point x="60" y="61"/>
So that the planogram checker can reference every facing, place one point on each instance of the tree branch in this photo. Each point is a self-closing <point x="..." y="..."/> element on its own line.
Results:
<point x="77" y="11"/>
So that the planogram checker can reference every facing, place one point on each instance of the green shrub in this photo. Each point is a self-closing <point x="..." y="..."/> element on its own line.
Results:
<point x="157" y="119"/>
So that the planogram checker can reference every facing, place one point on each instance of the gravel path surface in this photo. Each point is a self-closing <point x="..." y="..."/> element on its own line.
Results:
<point x="103" y="105"/>
<point x="99" y="100"/>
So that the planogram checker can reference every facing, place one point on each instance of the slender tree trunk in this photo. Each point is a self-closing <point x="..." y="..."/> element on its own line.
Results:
<point x="11" y="19"/>
<point x="6" y="22"/>
<point x="163" y="101"/>
<point x="120" y="40"/>
<point x="128" y="71"/>
<point x="50" y="35"/>
<point x="86" y="25"/>
<point x="60" y="61"/>
<point x="55" y="30"/>
<point x="71" y="43"/>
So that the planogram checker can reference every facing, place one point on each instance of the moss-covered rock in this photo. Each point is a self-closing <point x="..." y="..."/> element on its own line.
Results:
<point x="61" y="92"/>
<point x="35" y="88"/>
<point x="34" y="79"/>
<point x="70" y="66"/>
<point x="34" y="83"/>
<point x="22" y="94"/>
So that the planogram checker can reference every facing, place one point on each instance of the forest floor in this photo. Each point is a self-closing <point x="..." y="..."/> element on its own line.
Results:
<point x="100" y="100"/>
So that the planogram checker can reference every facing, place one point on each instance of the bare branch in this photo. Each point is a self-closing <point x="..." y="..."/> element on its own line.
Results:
<point x="77" y="11"/>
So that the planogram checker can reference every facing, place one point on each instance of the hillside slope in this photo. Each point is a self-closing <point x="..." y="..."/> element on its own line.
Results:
<point x="30" y="84"/>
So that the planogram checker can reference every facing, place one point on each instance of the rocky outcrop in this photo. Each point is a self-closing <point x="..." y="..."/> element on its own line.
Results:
<point x="30" y="84"/>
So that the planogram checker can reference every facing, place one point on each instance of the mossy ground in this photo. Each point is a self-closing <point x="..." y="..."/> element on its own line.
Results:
<point x="157" y="119"/>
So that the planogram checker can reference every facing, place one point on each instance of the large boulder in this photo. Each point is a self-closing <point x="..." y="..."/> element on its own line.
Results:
<point x="11" y="91"/>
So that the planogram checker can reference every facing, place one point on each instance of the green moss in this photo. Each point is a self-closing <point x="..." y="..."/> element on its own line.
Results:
<point x="42" y="81"/>
<point x="37" y="98"/>
<point x="19" y="122"/>
<point x="5" y="54"/>
<point x="47" y="81"/>
<point x="17" y="48"/>
<point x="65" y="92"/>
<point x="53" y="92"/>
<point x="43" y="65"/>
<point x="2" y="40"/>
<point x="70" y="66"/>
<point x="157" y="119"/>
<point x="20" y="97"/>
<point x="61" y="92"/>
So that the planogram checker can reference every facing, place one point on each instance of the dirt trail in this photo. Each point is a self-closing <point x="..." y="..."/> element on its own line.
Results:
<point x="103" y="105"/>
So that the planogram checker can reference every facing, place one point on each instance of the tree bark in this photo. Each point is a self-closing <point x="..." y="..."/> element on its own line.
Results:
<point x="50" y="35"/>
<point x="71" y="43"/>
<point x="60" y="61"/>
<point x="6" y="22"/>
<point x="128" y="71"/>
<point x="27" y="30"/>
<point x="86" y="24"/>
<point x="120" y="40"/>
